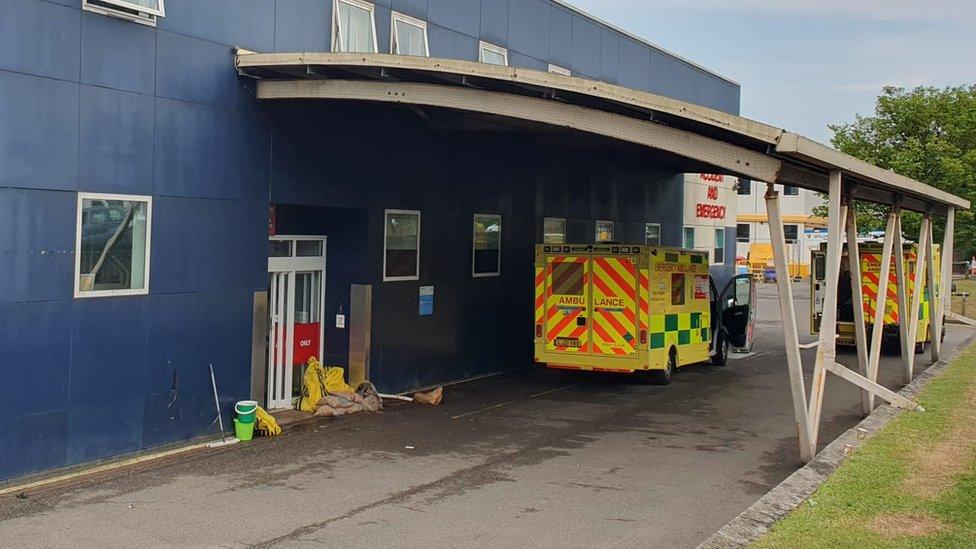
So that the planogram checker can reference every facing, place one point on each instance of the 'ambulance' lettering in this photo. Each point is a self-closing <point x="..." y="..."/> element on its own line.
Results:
<point x="569" y="300"/>
<point x="609" y="302"/>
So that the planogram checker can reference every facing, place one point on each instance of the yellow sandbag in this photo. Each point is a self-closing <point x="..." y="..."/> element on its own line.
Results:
<point x="266" y="423"/>
<point x="313" y="386"/>
<point x="335" y="381"/>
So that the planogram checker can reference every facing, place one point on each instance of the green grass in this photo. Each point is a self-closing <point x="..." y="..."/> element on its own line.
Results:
<point x="872" y="481"/>
<point x="965" y="286"/>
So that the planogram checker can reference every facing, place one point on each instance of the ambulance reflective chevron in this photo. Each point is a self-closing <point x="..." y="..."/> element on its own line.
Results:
<point x="621" y="308"/>
<point x="873" y="291"/>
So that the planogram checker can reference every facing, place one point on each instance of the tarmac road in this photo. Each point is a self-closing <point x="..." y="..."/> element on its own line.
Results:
<point x="539" y="458"/>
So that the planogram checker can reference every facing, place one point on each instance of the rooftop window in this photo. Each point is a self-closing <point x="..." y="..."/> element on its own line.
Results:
<point x="493" y="55"/>
<point x="409" y="36"/>
<point x="143" y="12"/>
<point x="353" y="27"/>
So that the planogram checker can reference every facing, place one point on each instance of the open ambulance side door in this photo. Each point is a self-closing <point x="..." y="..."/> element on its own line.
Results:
<point x="737" y="312"/>
<point x="818" y="286"/>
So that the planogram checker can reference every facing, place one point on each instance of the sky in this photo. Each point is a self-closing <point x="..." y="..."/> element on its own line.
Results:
<point x="805" y="64"/>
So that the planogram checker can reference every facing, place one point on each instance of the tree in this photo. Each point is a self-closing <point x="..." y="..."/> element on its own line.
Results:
<point x="927" y="134"/>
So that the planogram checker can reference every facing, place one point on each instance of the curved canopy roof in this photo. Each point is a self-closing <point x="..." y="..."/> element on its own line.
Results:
<point x="706" y="138"/>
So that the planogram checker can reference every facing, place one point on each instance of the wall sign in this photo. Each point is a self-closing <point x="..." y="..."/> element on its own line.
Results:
<point x="426" y="300"/>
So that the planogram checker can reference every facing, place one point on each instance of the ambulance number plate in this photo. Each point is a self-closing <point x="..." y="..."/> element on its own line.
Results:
<point x="567" y="342"/>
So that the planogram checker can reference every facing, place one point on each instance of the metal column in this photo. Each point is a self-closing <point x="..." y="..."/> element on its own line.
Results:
<point x="877" y="330"/>
<point x="945" y="284"/>
<point x="857" y="302"/>
<point x="918" y="290"/>
<point x="788" y="314"/>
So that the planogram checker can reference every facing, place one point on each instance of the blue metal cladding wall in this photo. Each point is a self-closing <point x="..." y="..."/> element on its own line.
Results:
<point x="97" y="104"/>
<point x="479" y="325"/>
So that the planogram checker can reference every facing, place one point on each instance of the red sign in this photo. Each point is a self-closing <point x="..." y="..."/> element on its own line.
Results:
<point x="712" y="177"/>
<point x="306" y="342"/>
<point x="713" y="192"/>
<point x="710" y="211"/>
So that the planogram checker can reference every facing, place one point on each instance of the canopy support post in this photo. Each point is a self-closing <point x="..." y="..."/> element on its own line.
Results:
<point x="918" y="291"/>
<point x="943" y="288"/>
<point x="857" y="302"/>
<point x="788" y="314"/>
<point x="827" y="349"/>
<point x="881" y="301"/>
<point x="902" y="295"/>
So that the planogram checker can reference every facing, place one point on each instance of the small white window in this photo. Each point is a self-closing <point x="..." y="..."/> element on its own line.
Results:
<point x="112" y="245"/>
<point x="604" y="231"/>
<point x="144" y="12"/>
<point x="556" y="69"/>
<point x="689" y="238"/>
<point x="408" y="36"/>
<point x="401" y="245"/>
<point x="718" y="253"/>
<point x="652" y="234"/>
<point x="486" y="253"/>
<point x="553" y="230"/>
<point x="493" y="54"/>
<point x="353" y="27"/>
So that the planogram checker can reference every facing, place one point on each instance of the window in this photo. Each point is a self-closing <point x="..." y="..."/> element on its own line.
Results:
<point x="604" y="232"/>
<point x="353" y="28"/>
<point x="790" y="190"/>
<point x="144" y="12"/>
<point x="401" y="245"/>
<point x="677" y="288"/>
<point x="409" y="36"/>
<point x="652" y="234"/>
<point x="745" y="186"/>
<point x="556" y="69"/>
<point x="742" y="232"/>
<point x="493" y="54"/>
<point x="486" y="253"/>
<point x="689" y="238"/>
<point x="791" y="232"/>
<point x="718" y="253"/>
<point x="112" y="245"/>
<point x="554" y="230"/>
<point x="568" y="278"/>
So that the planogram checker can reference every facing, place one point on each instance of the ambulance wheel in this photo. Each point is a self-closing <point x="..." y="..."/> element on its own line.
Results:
<point x="664" y="377"/>
<point x="721" y="355"/>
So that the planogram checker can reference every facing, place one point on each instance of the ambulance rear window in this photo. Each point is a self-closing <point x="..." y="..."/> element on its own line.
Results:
<point x="567" y="278"/>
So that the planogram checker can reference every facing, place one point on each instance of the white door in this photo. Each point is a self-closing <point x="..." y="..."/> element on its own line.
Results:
<point x="296" y="299"/>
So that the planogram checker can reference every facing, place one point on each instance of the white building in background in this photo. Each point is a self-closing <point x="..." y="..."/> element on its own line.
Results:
<point x="709" y="220"/>
<point x="804" y="231"/>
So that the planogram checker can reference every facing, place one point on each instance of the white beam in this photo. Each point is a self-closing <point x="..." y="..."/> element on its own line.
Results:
<point x="902" y="286"/>
<point x="881" y="303"/>
<point x="894" y="398"/>
<point x="945" y="282"/>
<point x="788" y="315"/>
<point x="934" y="305"/>
<point x="827" y="350"/>
<point x="918" y="290"/>
<point x="857" y="302"/>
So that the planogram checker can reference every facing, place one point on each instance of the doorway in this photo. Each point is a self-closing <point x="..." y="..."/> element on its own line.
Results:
<point x="296" y="300"/>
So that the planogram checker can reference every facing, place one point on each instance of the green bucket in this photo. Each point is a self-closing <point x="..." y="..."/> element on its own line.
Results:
<point x="246" y="410"/>
<point x="244" y="431"/>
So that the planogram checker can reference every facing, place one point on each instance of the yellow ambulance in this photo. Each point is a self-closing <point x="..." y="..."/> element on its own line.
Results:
<point x="630" y="308"/>
<point x="870" y="264"/>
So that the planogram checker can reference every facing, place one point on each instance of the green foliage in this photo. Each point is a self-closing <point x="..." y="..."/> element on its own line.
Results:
<point x="928" y="134"/>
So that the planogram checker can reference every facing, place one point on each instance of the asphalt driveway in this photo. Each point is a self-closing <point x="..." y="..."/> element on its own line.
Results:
<point x="537" y="458"/>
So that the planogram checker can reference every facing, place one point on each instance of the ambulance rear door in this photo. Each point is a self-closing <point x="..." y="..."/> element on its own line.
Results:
<point x="567" y="298"/>
<point x="614" y="278"/>
<point x="818" y="287"/>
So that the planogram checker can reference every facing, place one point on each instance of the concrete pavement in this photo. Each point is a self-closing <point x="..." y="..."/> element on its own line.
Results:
<point x="537" y="458"/>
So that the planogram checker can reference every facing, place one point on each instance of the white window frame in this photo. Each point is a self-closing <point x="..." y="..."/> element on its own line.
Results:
<point x="493" y="48"/>
<point x="556" y="69"/>
<point x="385" y="235"/>
<point x="126" y="10"/>
<point x="658" y="225"/>
<point x="421" y="24"/>
<point x="596" y="231"/>
<point x="368" y="6"/>
<point x="474" y="233"/>
<point x="82" y="196"/>
<point x="561" y="220"/>
<point x="715" y="246"/>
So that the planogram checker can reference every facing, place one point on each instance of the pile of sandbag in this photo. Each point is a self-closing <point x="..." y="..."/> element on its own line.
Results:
<point x="325" y="392"/>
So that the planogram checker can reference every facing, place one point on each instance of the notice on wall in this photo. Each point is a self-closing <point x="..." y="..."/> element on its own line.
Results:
<point x="701" y="287"/>
<point x="340" y="321"/>
<point x="426" y="300"/>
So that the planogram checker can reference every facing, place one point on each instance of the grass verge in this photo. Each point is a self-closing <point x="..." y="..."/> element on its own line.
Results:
<point x="913" y="485"/>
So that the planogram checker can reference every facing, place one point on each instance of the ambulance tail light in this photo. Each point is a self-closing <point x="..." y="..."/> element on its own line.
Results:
<point x="643" y="337"/>
<point x="538" y="330"/>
